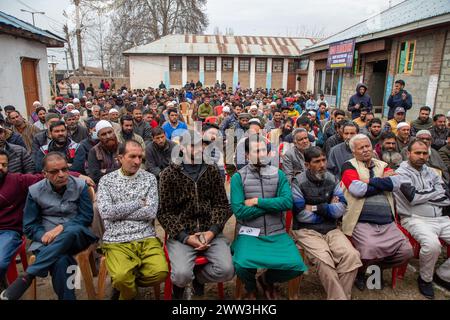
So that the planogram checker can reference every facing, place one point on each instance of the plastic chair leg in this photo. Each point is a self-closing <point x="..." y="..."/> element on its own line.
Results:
<point x="101" y="280"/>
<point x="220" y="290"/>
<point x="168" y="288"/>
<point x="34" y="283"/>
<point x="293" y="286"/>
<point x="85" y="268"/>
<point x="238" y="288"/>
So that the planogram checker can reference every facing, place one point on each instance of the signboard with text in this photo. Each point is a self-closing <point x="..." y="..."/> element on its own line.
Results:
<point x="340" y="54"/>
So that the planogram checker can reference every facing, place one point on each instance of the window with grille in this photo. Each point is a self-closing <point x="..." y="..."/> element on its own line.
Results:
<point x="406" y="57"/>
<point x="210" y="64"/>
<point x="261" y="65"/>
<point x="277" y="65"/>
<point x="227" y="64"/>
<point x="244" y="65"/>
<point x="175" y="63"/>
<point x="192" y="64"/>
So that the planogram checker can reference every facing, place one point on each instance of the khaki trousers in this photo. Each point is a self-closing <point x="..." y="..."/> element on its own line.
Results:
<point x="336" y="260"/>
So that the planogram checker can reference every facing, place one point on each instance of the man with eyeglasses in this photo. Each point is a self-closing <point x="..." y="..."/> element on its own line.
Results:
<point x="58" y="213"/>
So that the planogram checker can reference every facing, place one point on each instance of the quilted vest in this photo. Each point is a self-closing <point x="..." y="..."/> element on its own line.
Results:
<point x="316" y="193"/>
<point x="262" y="183"/>
<point x="57" y="209"/>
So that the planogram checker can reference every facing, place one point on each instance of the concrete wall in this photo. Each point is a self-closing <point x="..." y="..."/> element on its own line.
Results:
<point x="176" y="79"/>
<point x="244" y="79"/>
<point x="227" y="76"/>
<point x="260" y="79"/>
<point x="148" y="71"/>
<point x="95" y="80"/>
<point x="422" y="83"/>
<point x="442" y="104"/>
<point x="11" y="86"/>
<point x="349" y="83"/>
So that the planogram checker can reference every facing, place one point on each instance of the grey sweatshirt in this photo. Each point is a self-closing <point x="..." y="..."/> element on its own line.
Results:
<point x="421" y="192"/>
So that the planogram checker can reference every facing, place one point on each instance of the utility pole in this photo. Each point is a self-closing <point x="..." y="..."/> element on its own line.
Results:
<point x="67" y="64"/>
<point x="53" y="65"/>
<point x="78" y="35"/>
<point x="32" y="14"/>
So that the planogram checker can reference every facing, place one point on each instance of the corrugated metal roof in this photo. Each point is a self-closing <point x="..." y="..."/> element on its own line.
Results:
<point x="223" y="45"/>
<point x="401" y="14"/>
<point x="16" y="23"/>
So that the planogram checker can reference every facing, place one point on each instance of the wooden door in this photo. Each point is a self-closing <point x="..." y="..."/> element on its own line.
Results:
<point x="292" y="81"/>
<point x="30" y="84"/>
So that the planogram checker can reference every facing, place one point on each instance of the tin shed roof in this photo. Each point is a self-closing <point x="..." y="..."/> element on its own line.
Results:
<point x="214" y="45"/>
<point x="16" y="27"/>
<point x="408" y="13"/>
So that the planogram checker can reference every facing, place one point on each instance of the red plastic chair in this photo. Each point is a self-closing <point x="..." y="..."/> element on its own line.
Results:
<point x="394" y="270"/>
<point x="218" y="110"/>
<point x="199" y="261"/>
<point x="11" y="273"/>
<point x="212" y="119"/>
<point x="400" y="271"/>
<point x="280" y="155"/>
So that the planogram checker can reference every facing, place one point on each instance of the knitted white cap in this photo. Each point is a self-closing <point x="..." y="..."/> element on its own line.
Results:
<point x="423" y="133"/>
<point x="113" y="110"/>
<point x="253" y="107"/>
<point x="402" y="124"/>
<point x="36" y="104"/>
<point x="76" y="100"/>
<point x="226" y="109"/>
<point x="75" y="111"/>
<point x="102" y="124"/>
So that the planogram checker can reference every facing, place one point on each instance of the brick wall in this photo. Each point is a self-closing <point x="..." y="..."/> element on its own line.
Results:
<point x="349" y="83"/>
<point x="260" y="79"/>
<point x="193" y="75"/>
<point x="120" y="81"/>
<point x="428" y="51"/>
<point x="228" y="78"/>
<point x="210" y="78"/>
<point x="277" y="80"/>
<point x="244" y="79"/>
<point x="175" y="78"/>
<point x="443" y="93"/>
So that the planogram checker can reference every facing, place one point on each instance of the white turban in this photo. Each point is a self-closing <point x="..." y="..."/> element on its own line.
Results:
<point x="102" y="124"/>
<point x="402" y="124"/>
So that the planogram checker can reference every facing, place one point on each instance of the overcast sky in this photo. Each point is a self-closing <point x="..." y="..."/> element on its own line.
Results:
<point x="244" y="17"/>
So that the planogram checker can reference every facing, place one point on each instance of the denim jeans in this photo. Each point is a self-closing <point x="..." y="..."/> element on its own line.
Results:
<point x="10" y="241"/>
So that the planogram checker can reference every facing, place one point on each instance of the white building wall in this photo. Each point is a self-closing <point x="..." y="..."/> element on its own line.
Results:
<point x="219" y="69"/>
<point x="253" y="73"/>
<point x="285" y="73"/>
<point x="148" y="71"/>
<point x="311" y="75"/>
<point x="11" y="86"/>
<point x="184" y="77"/>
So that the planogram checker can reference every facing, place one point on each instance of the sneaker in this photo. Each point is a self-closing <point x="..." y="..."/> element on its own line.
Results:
<point x="441" y="282"/>
<point x="177" y="293"/>
<point x="17" y="288"/>
<point x="199" y="289"/>
<point x="360" y="281"/>
<point x="115" y="294"/>
<point x="425" y="288"/>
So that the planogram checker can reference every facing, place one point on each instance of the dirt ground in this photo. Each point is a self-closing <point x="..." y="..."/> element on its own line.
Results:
<point x="310" y="287"/>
